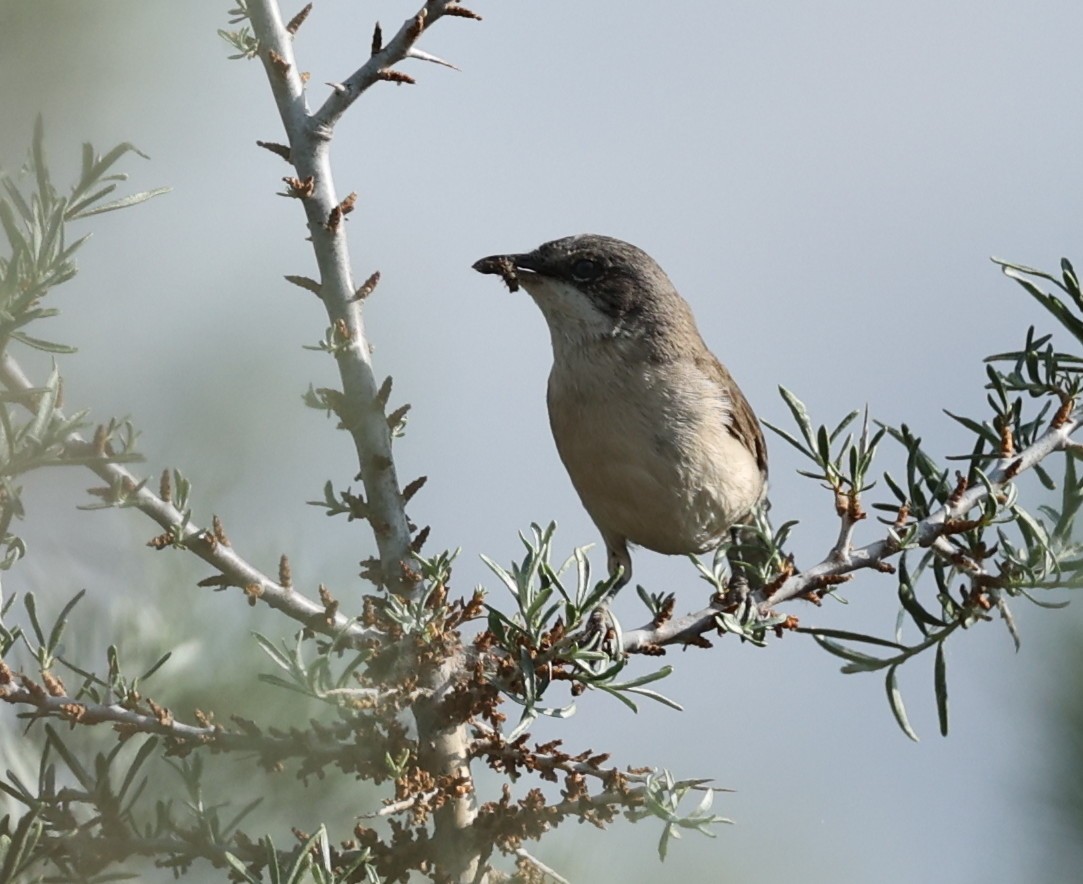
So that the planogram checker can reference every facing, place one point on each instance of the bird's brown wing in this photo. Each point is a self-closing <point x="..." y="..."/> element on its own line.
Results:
<point x="743" y="426"/>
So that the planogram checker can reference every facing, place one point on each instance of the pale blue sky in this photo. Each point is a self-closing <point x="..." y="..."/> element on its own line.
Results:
<point x="823" y="182"/>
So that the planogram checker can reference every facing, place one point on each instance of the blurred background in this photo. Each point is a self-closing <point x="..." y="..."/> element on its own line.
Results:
<point x="824" y="183"/>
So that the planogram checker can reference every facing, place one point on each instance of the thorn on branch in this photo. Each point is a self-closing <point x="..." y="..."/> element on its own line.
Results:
<point x="412" y="488"/>
<point x="330" y="604"/>
<point x="285" y="575"/>
<point x="219" y="531"/>
<point x="463" y="612"/>
<point x="332" y="399"/>
<point x="419" y="539"/>
<point x="461" y="12"/>
<point x="416" y="26"/>
<point x="299" y="188"/>
<point x="395" y="419"/>
<point x="413" y="52"/>
<point x="393" y="76"/>
<point x="298" y="20"/>
<point x="377" y="39"/>
<point x="665" y="611"/>
<point x="53" y="685"/>
<point x="1067" y="406"/>
<point x="277" y="149"/>
<point x="161" y="541"/>
<point x="219" y="581"/>
<point x="961" y="526"/>
<point x="1007" y="440"/>
<point x="960" y="489"/>
<point x="278" y="62"/>
<point x="384" y="393"/>
<point x="334" y="220"/>
<point x="824" y="582"/>
<point x="367" y="288"/>
<point x="164" y="716"/>
<point x="306" y="283"/>
<point x="339" y="88"/>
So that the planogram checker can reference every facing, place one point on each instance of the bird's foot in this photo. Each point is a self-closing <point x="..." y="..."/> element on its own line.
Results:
<point x="603" y="633"/>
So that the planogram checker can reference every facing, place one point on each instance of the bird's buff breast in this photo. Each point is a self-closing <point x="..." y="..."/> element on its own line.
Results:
<point x="650" y="456"/>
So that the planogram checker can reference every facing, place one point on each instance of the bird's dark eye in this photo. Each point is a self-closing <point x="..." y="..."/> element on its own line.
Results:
<point x="585" y="270"/>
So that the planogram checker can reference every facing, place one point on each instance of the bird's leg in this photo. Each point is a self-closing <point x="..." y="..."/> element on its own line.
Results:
<point x="737" y="589"/>
<point x="619" y="559"/>
<point x="601" y="622"/>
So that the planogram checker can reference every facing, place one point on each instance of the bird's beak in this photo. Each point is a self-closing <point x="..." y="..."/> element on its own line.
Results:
<point x="494" y="263"/>
<point x="509" y="267"/>
<point x="528" y="262"/>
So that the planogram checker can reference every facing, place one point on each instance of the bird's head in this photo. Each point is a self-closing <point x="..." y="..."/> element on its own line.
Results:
<point x="591" y="287"/>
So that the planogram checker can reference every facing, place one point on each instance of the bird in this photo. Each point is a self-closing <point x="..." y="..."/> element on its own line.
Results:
<point x="660" y="443"/>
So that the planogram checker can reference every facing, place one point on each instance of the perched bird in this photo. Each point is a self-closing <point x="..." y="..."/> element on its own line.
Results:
<point x="660" y="443"/>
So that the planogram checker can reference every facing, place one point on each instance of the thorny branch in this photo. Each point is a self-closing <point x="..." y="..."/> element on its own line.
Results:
<point x="200" y="541"/>
<point x="331" y="744"/>
<point x="361" y="411"/>
<point x="361" y="407"/>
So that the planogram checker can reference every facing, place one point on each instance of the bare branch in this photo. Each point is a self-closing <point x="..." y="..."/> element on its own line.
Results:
<point x="384" y="56"/>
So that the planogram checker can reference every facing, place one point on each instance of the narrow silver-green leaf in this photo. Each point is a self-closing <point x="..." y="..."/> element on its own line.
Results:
<point x="123" y="202"/>
<point x="898" y="709"/>
<point x="39" y="344"/>
<point x="941" y="683"/>
<point x="800" y="415"/>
